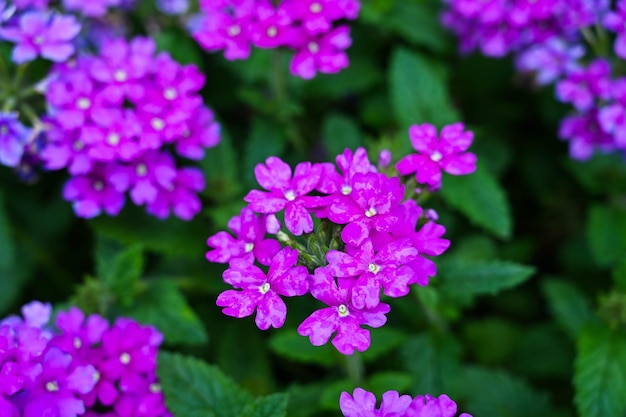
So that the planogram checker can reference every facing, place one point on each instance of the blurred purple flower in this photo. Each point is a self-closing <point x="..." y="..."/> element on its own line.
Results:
<point x="13" y="138"/>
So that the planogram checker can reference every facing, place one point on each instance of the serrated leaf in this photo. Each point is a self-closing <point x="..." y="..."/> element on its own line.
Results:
<point x="162" y="305"/>
<point x="481" y="198"/>
<point x="600" y="372"/>
<point x="465" y="277"/>
<point x="295" y="347"/>
<point x="487" y="392"/>
<point x="569" y="306"/>
<point x="338" y="133"/>
<point x="9" y="282"/>
<point x="119" y="268"/>
<point x="419" y="93"/>
<point x="193" y="388"/>
<point x="266" y="139"/>
<point x="432" y="361"/>
<point x="606" y="231"/>
<point x="274" y="405"/>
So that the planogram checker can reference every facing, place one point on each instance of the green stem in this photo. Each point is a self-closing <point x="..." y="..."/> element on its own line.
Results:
<point x="355" y="368"/>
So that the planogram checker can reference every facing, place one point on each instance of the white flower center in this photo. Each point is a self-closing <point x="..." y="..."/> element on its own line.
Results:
<point x="141" y="170"/>
<point x="436" y="156"/>
<point x="157" y="124"/>
<point x="272" y="31"/>
<point x="371" y="212"/>
<point x="290" y="195"/>
<point x="120" y="76"/>
<point x="155" y="388"/>
<point x="264" y="288"/>
<point x="233" y="30"/>
<point x="315" y="7"/>
<point x="77" y="343"/>
<point x="373" y="268"/>
<point x="249" y="247"/>
<point x="38" y="40"/>
<point x="83" y="103"/>
<point x="170" y="93"/>
<point x="96" y="376"/>
<point x="52" y="386"/>
<point x="78" y="145"/>
<point x="113" y="139"/>
<point x="314" y="47"/>
<point x="346" y="189"/>
<point x="343" y="310"/>
<point x="125" y="358"/>
<point x="98" y="185"/>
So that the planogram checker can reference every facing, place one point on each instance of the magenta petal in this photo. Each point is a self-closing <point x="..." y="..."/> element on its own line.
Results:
<point x="262" y="202"/>
<point x="362" y="405"/>
<point x="265" y="250"/>
<point x="459" y="164"/>
<point x="238" y="303"/>
<point x="57" y="52"/>
<point x="294" y="282"/>
<point x="319" y="326"/>
<point x="350" y="337"/>
<point x="275" y="175"/>
<point x="366" y="292"/>
<point x="355" y="233"/>
<point x="342" y="265"/>
<point x="271" y="312"/>
<point x="297" y="219"/>
<point x="282" y="262"/>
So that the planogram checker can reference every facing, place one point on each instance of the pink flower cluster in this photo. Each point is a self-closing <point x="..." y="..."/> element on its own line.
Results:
<point x="83" y="367"/>
<point x="367" y="239"/>
<point x="363" y="404"/>
<point x="303" y="25"/>
<point x="112" y="119"/>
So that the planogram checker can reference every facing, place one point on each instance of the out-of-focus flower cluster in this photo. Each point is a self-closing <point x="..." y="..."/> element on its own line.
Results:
<point x="565" y="42"/>
<point x="110" y="120"/>
<point x="78" y="366"/>
<point x="367" y="237"/>
<point x="113" y="118"/>
<point x="363" y="404"/>
<point x="306" y="26"/>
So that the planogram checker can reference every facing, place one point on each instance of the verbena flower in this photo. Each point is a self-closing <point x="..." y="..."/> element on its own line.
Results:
<point x="444" y="153"/>
<point x="13" y="138"/>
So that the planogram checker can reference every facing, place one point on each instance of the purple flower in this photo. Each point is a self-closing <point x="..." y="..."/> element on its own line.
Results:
<point x="612" y="117"/>
<point x="173" y="7"/>
<point x="616" y="22"/>
<point x="340" y="316"/>
<point x="90" y="194"/>
<point x="583" y="86"/>
<point x="370" y="205"/>
<point x="91" y="8"/>
<point x="427" y="406"/>
<point x="316" y="15"/>
<point x="585" y="135"/>
<point x="250" y="244"/>
<point x="272" y="27"/>
<point x="551" y="59"/>
<point x="363" y="404"/>
<point x="42" y="34"/>
<point x="285" y="192"/>
<point x="372" y="270"/>
<point x="181" y="197"/>
<point x="324" y="54"/>
<point x="261" y="292"/>
<point x="13" y="138"/>
<point x="447" y="153"/>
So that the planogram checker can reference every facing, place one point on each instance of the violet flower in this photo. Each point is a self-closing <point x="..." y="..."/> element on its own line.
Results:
<point x="324" y="54"/>
<point x="446" y="153"/>
<point x="13" y="138"/>
<point x="261" y="292"/>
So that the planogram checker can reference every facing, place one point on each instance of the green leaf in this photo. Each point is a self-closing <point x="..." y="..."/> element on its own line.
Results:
<point x="465" y="277"/>
<point x="600" y="372"/>
<point x="291" y="345"/>
<point x="179" y="45"/>
<point x="487" y="392"/>
<point x="162" y="305"/>
<point x="220" y="169"/>
<point x="329" y="399"/>
<point x="619" y="275"/>
<point x="10" y="283"/>
<point x="569" y="306"/>
<point x="193" y="388"/>
<point x="119" y="268"/>
<point x="266" y="139"/>
<point x="381" y="382"/>
<point x="419" y="92"/>
<point x="606" y="231"/>
<point x="383" y="340"/>
<point x="338" y="133"/>
<point x="481" y="198"/>
<point x="432" y="361"/>
<point x="274" y="405"/>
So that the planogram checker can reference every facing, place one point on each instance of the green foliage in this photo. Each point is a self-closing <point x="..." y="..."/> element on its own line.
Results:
<point x="119" y="268"/>
<point x="418" y="90"/>
<point x="338" y="133"/>
<point x="465" y="277"/>
<point x="161" y="304"/>
<point x="569" y="306"/>
<point x="482" y="199"/>
<point x="9" y="281"/>
<point x="193" y="388"/>
<point x="487" y="392"/>
<point x="606" y="231"/>
<point x="298" y="348"/>
<point x="265" y="140"/>
<point x="274" y="405"/>
<point x="600" y="372"/>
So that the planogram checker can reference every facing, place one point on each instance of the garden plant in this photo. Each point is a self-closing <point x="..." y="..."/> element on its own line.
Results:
<point x="309" y="208"/>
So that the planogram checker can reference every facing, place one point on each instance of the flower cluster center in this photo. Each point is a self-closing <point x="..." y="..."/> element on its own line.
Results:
<point x="83" y="103"/>
<point x="264" y="288"/>
<point x="315" y="7"/>
<point x="157" y="124"/>
<point x="314" y="47"/>
<point x="249" y="247"/>
<point x="233" y="30"/>
<point x="290" y="195"/>
<point x="373" y="268"/>
<point x="125" y="358"/>
<point x="170" y="93"/>
<point x="436" y="156"/>
<point x="343" y="310"/>
<point x="77" y="343"/>
<point x="120" y="76"/>
<point x="141" y="170"/>
<point x="371" y="212"/>
<point x="52" y="386"/>
<point x="113" y="139"/>
<point x="272" y="31"/>
<point x="98" y="185"/>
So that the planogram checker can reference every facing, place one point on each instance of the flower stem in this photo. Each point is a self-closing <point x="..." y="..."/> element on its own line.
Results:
<point x="355" y="368"/>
